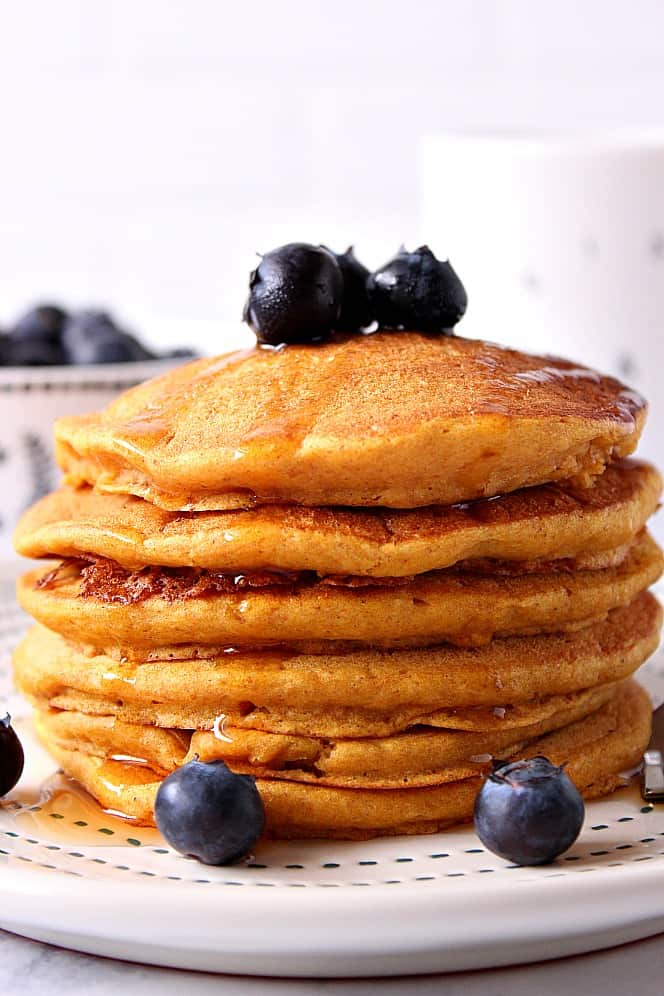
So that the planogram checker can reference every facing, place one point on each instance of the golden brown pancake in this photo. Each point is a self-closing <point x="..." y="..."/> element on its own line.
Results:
<point x="597" y="750"/>
<point x="364" y="693"/>
<point x="106" y="736"/>
<point x="420" y="756"/>
<point x="392" y="419"/>
<point x="550" y="522"/>
<point x="463" y="609"/>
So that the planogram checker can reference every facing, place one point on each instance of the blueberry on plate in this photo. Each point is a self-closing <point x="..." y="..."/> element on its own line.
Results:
<point x="356" y="310"/>
<point x="209" y="813"/>
<point x="11" y="756"/>
<point x="295" y="295"/>
<point x="93" y="337"/>
<point x="528" y="812"/>
<point x="416" y="291"/>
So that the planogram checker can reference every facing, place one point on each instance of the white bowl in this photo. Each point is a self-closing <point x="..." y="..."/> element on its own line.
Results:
<point x="31" y="399"/>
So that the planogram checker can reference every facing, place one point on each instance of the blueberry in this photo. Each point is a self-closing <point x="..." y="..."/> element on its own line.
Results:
<point x="36" y="339"/>
<point x="356" y="312"/>
<point x="31" y="353"/>
<point x="528" y="812"/>
<point x="11" y="756"/>
<point x="93" y="337"/>
<point x="417" y="291"/>
<point x="43" y="324"/>
<point x="120" y="348"/>
<point x="295" y="295"/>
<point x="206" y="811"/>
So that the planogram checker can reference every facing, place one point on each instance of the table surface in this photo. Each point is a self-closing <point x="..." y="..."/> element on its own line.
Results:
<point x="30" y="967"/>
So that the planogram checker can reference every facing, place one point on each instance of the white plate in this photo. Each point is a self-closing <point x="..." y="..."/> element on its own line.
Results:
<point x="73" y="876"/>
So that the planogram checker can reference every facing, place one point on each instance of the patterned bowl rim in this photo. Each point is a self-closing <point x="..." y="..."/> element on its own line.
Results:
<point x="100" y="377"/>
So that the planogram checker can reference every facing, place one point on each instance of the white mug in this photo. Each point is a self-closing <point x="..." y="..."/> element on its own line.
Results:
<point x="559" y="240"/>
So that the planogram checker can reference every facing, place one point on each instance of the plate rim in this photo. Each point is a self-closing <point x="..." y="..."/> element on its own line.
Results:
<point x="424" y="929"/>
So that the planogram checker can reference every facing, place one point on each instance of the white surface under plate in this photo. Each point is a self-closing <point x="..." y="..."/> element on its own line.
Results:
<point x="73" y="876"/>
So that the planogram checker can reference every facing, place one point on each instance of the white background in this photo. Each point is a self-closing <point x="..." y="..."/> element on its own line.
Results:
<point x="148" y="148"/>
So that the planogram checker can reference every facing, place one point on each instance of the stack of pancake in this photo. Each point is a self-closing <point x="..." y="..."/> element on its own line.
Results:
<point x="360" y="571"/>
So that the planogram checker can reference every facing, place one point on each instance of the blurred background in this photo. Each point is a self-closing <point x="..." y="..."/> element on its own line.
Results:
<point x="150" y="148"/>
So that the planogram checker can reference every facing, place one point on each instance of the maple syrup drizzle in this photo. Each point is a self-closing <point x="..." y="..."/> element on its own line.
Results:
<point x="62" y="811"/>
<point x="143" y="432"/>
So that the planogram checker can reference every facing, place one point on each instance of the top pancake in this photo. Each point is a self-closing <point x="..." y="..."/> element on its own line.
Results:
<point x="560" y="522"/>
<point x="391" y="419"/>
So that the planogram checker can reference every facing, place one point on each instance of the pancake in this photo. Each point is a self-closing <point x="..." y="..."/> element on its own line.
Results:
<point x="550" y="522"/>
<point x="105" y="736"/>
<point x="418" y="757"/>
<point x="463" y="609"/>
<point x="391" y="419"/>
<point x="597" y="751"/>
<point x="364" y="693"/>
<point x="107" y="581"/>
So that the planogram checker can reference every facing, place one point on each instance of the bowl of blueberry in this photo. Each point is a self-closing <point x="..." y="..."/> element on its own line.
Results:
<point x="53" y="363"/>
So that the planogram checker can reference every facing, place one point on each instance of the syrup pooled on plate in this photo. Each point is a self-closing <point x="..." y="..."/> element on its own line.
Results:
<point x="63" y="812"/>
